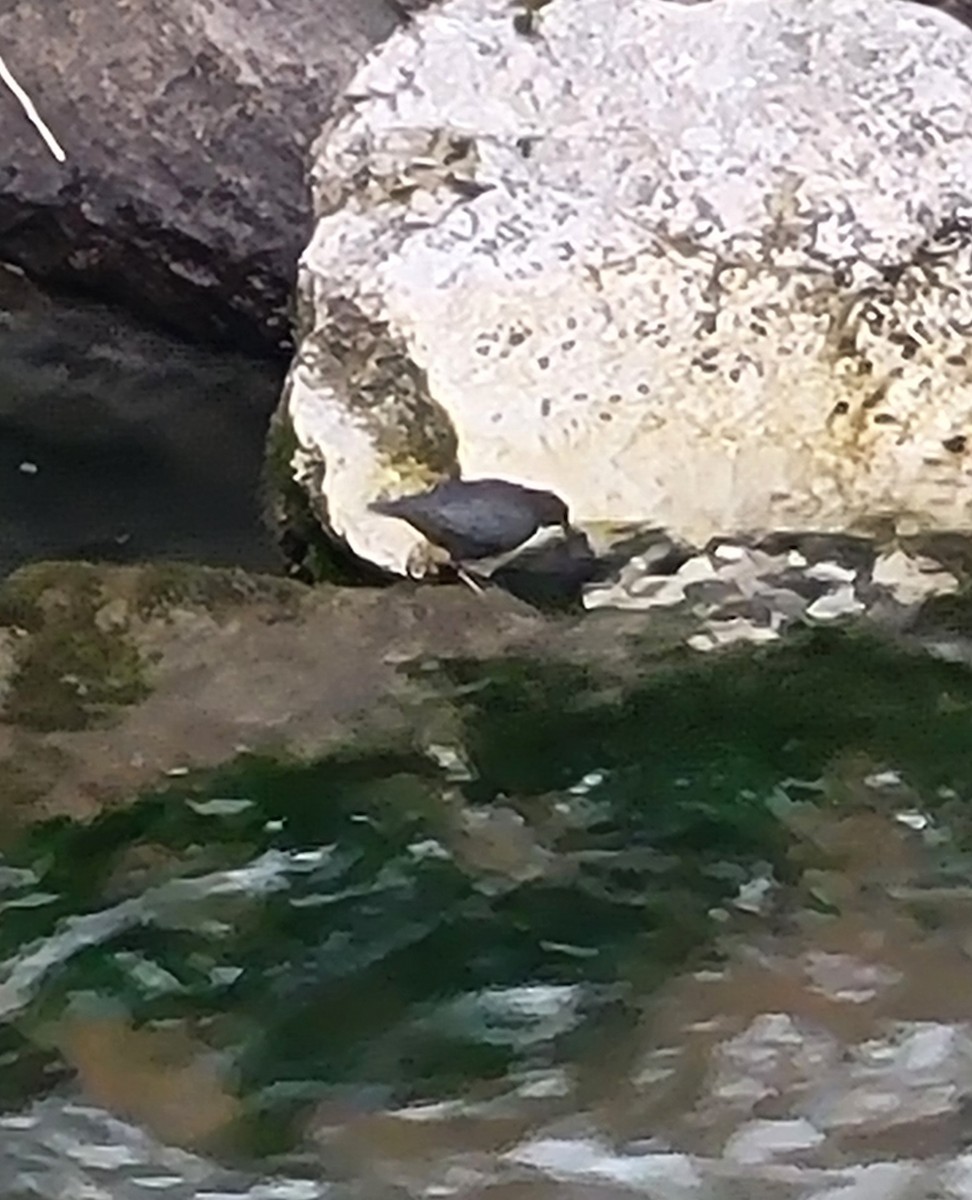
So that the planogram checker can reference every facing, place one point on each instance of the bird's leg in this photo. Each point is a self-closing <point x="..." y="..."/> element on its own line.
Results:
<point x="470" y="581"/>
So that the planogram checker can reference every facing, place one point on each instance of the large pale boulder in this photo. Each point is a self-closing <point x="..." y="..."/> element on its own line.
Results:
<point x="186" y="125"/>
<point x="704" y="266"/>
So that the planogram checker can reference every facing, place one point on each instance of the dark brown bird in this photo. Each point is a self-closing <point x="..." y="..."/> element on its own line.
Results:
<point x="478" y="518"/>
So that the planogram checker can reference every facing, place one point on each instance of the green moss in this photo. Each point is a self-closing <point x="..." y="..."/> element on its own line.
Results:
<point x="22" y="592"/>
<point x="281" y="445"/>
<point x="312" y="556"/>
<point x="27" y="778"/>
<point x="160" y="587"/>
<point x="71" y="672"/>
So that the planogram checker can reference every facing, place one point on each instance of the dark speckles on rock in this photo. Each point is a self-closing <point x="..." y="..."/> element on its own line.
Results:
<point x="568" y="345"/>
<point x="458" y="149"/>
<point x="885" y="419"/>
<point x="469" y="189"/>
<point x="956" y="444"/>
<point x="543" y="362"/>
<point x="545" y="405"/>
<point x="517" y="337"/>
<point x="841" y="409"/>
<point x="643" y="389"/>
<point x="706" y="360"/>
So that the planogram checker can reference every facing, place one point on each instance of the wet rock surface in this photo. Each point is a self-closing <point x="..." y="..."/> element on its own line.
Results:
<point x="755" y="591"/>
<point x="186" y="127"/>
<point x="145" y="669"/>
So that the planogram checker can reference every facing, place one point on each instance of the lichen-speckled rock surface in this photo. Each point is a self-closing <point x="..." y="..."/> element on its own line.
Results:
<point x="705" y="266"/>
<point x="186" y="125"/>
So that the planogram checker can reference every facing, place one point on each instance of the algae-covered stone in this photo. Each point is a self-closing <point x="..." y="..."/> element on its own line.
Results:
<point x="159" y="588"/>
<point x="112" y="676"/>
<point x="69" y="670"/>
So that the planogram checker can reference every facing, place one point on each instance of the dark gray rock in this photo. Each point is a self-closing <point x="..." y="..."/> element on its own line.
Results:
<point x="186" y="125"/>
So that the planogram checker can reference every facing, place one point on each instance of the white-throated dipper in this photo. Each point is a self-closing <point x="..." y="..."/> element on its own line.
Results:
<point x="478" y="518"/>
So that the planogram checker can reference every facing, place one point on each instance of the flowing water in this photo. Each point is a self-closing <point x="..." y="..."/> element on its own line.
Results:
<point x="707" y="936"/>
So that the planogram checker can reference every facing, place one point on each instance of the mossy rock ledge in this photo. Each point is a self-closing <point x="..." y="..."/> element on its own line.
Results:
<point x="111" y="677"/>
<point x="70" y="662"/>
